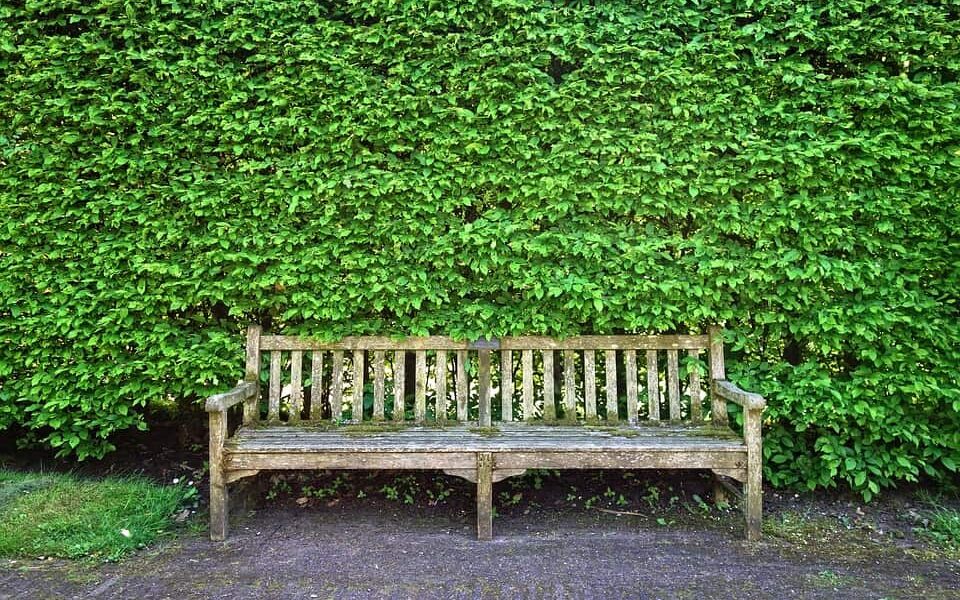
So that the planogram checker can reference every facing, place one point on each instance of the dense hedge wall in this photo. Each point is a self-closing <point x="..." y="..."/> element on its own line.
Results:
<point x="174" y="169"/>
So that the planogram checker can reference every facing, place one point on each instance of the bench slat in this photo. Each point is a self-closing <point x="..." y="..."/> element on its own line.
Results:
<point x="605" y="342"/>
<point x="662" y="429"/>
<point x="336" y="387"/>
<point x="549" y="397"/>
<point x="441" y="404"/>
<point x="589" y="385"/>
<point x="420" y="388"/>
<point x="483" y="387"/>
<point x="569" y="386"/>
<point x="527" y="366"/>
<point x="399" y="383"/>
<point x="630" y="459"/>
<point x="463" y="388"/>
<point x="653" y="386"/>
<point x="373" y="342"/>
<point x="378" y="385"/>
<point x="655" y="458"/>
<point x="611" y="384"/>
<point x="295" y="459"/>
<point x="273" y="406"/>
<point x="673" y="384"/>
<point x="316" y="385"/>
<point x="585" y="342"/>
<point x="296" y="385"/>
<point x="693" y="389"/>
<point x="718" y="406"/>
<point x="444" y="443"/>
<point x="506" y="385"/>
<point x="557" y="438"/>
<point x="358" y="373"/>
<point x="630" y="358"/>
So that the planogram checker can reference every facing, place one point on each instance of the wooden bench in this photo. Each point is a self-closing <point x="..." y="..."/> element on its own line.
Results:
<point x="474" y="422"/>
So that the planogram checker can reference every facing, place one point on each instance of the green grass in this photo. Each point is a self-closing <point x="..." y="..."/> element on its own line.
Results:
<point x="942" y="528"/>
<point x="66" y="516"/>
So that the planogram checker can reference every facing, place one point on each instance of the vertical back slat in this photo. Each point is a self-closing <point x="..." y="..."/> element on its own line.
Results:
<point x="358" y="373"/>
<point x="296" y="385"/>
<point x="718" y="406"/>
<point x="653" y="386"/>
<point x="483" y="383"/>
<point x="673" y="384"/>
<point x="589" y="385"/>
<point x="569" y="386"/>
<point x="611" y="384"/>
<point x="316" y="385"/>
<point x="336" y="387"/>
<point x="441" y="386"/>
<point x="693" y="389"/>
<point x="399" y="383"/>
<point x="631" y="366"/>
<point x="273" y="407"/>
<point x="378" y="385"/>
<point x="549" y="397"/>
<point x="420" y="388"/>
<point x="527" y="366"/>
<point x="506" y="386"/>
<point x="463" y="388"/>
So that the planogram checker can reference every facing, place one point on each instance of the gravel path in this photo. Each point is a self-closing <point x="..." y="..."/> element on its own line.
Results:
<point x="377" y="553"/>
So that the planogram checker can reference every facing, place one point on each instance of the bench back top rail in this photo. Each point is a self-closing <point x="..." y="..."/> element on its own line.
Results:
<point x="437" y="380"/>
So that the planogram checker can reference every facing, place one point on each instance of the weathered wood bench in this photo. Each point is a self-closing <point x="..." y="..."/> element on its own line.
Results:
<point x="462" y="430"/>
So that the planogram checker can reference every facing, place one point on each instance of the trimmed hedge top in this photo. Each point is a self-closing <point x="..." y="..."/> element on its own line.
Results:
<point x="172" y="170"/>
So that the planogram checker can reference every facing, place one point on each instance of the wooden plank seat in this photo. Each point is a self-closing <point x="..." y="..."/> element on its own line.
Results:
<point x="446" y="417"/>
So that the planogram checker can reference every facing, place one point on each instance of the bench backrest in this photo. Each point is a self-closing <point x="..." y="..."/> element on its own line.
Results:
<point x="610" y="379"/>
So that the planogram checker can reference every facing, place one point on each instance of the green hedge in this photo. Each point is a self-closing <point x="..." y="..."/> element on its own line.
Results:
<point x="173" y="170"/>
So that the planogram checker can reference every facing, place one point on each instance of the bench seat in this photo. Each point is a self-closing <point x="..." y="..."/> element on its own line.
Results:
<point x="504" y="439"/>
<point x="514" y="448"/>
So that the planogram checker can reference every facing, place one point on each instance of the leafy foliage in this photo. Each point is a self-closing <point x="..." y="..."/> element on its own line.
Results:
<point x="172" y="170"/>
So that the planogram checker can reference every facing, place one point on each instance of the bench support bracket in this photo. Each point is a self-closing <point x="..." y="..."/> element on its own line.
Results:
<point x="471" y="474"/>
<point x="736" y="474"/>
<point x="238" y="475"/>
<point x="723" y="489"/>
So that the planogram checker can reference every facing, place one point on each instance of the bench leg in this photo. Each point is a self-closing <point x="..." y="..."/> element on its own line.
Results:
<point x="753" y="504"/>
<point x="218" y="510"/>
<point x="484" y="496"/>
<point x="753" y="492"/>
<point x="218" y="481"/>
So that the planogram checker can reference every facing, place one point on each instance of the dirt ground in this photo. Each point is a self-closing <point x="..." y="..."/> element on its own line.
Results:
<point x="591" y="534"/>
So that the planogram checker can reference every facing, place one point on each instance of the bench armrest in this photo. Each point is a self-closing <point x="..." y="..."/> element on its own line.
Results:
<point x="747" y="400"/>
<point x="222" y="402"/>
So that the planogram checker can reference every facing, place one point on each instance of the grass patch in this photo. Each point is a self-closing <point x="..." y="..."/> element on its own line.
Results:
<point x="941" y="527"/>
<point x="831" y="579"/>
<point x="66" y="516"/>
<point x="797" y="528"/>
